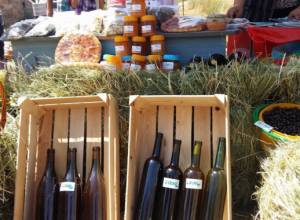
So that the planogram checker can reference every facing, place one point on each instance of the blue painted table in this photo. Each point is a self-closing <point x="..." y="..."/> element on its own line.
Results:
<point x="186" y="45"/>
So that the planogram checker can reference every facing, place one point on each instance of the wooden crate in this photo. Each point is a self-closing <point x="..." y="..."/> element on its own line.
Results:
<point x="35" y="137"/>
<point x="211" y="120"/>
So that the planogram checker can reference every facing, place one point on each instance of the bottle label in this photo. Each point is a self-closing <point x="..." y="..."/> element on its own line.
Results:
<point x="171" y="183"/>
<point x="156" y="47"/>
<point x="136" y="49"/>
<point x="168" y="65"/>
<point x="135" y="67"/>
<point x="146" y="28"/>
<point x="264" y="126"/>
<point x="150" y="67"/>
<point x="193" y="184"/>
<point x="67" y="187"/>
<point x="126" y="66"/>
<point x="128" y="29"/>
<point x="136" y="7"/>
<point x="119" y="48"/>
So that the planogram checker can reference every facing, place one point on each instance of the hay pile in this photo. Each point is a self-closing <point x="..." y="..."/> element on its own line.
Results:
<point x="279" y="195"/>
<point x="247" y="85"/>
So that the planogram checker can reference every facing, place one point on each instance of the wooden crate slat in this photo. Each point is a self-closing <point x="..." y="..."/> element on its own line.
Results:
<point x="62" y="100"/>
<point x="60" y="141"/>
<point x="202" y="133"/>
<point x="184" y="133"/>
<point x="71" y="105"/>
<point x="107" y="151"/>
<point x="165" y="126"/>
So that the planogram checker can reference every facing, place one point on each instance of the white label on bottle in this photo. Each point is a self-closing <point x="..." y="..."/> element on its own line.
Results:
<point x="128" y="29"/>
<point x="136" y="7"/>
<point x="156" y="47"/>
<point x="119" y="48"/>
<point x="146" y="28"/>
<point x="193" y="184"/>
<point x="168" y="65"/>
<point x="135" y="67"/>
<point x="126" y="66"/>
<point x="67" y="187"/>
<point x="150" y="67"/>
<point x="171" y="183"/>
<point x="264" y="126"/>
<point x="136" y="49"/>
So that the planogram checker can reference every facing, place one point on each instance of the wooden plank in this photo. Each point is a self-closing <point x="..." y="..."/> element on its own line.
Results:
<point x="21" y="169"/>
<point x="61" y="100"/>
<point x="107" y="158"/>
<point x="60" y="141"/>
<point x="202" y="133"/>
<point x="77" y="135"/>
<point x="71" y="105"/>
<point x="183" y="133"/>
<point x="165" y="126"/>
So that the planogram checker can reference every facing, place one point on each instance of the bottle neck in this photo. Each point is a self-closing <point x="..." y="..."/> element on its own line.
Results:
<point x="220" y="157"/>
<point x="50" y="164"/>
<point x="157" y="145"/>
<point x="71" y="173"/>
<point x="176" y="153"/>
<point x="96" y="160"/>
<point x="196" y="154"/>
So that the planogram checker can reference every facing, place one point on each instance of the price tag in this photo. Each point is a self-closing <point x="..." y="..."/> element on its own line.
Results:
<point x="264" y="126"/>
<point x="136" y="49"/>
<point x="168" y="65"/>
<point x="128" y="29"/>
<point x="135" y="67"/>
<point x="119" y="48"/>
<point x="67" y="187"/>
<point x="171" y="183"/>
<point x="193" y="183"/>
<point x="146" y="28"/>
<point x="150" y="67"/>
<point x="156" y="47"/>
<point x="136" y="7"/>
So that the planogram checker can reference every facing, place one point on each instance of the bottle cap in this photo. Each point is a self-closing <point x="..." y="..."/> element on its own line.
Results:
<point x="139" y="39"/>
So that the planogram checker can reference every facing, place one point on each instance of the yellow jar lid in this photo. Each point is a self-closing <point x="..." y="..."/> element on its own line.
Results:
<point x="148" y="18"/>
<point x="114" y="59"/>
<point x="138" y="58"/>
<point x="157" y="38"/>
<point x="119" y="39"/>
<point x="130" y="18"/>
<point x="154" y="58"/>
<point x="139" y="39"/>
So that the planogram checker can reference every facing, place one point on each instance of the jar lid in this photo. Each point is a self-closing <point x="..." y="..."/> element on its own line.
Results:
<point x="154" y="58"/>
<point x="138" y="58"/>
<point x="114" y="59"/>
<point x="139" y="39"/>
<point x="126" y="58"/>
<point x="157" y="38"/>
<point x="130" y="19"/>
<point x="119" y="39"/>
<point x="148" y="18"/>
<point x="106" y="56"/>
<point x="171" y="57"/>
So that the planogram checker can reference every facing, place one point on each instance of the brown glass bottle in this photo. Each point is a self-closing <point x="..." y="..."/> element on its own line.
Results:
<point x="46" y="200"/>
<point x="70" y="191"/>
<point x="215" y="187"/>
<point x="192" y="188"/>
<point x="170" y="187"/>
<point x="94" y="197"/>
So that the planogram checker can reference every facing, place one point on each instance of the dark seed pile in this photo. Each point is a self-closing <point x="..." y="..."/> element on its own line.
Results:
<point x="284" y="120"/>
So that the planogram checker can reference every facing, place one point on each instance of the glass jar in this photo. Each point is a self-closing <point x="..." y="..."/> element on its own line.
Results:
<point x="171" y="63"/>
<point x="131" y="26"/>
<point x="148" y="25"/>
<point x="157" y="44"/>
<point x="111" y="62"/>
<point x="122" y="46"/>
<point x="153" y="62"/>
<point x="139" y="46"/>
<point x="138" y="62"/>
<point x="126" y="61"/>
<point x="138" y="8"/>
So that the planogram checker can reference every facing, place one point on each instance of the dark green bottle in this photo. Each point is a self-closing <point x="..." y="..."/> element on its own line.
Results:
<point x="192" y="188"/>
<point x="170" y="187"/>
<point x="215" y="188"/>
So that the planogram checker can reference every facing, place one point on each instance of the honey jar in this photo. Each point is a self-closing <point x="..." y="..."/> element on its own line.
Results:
<point x="157" y="44"/>
<point x="148" y="25"/>
<point x="171" y="63"/>
<point x="138" y="8"/>
<point x="122" y="46"/>
<point x="139" y="46"/>
<point x="153" y="62"/>
<point x="131" y="26"/>
<point x="138" y="62"/>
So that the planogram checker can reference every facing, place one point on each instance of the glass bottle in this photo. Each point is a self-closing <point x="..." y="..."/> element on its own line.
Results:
<point x="70" y="190"/>
<point x="215" y="188"/>
<point x="47" y="192"/>
<point x="149" y="183"/>
<point x="170" y="187"/>
<point x="192" y="188"/>
<point x="94" y="197"/>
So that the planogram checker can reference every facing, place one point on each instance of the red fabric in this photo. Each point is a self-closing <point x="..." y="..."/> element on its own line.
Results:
<point x="237" y="41"/>
<point x="265" y="38"/>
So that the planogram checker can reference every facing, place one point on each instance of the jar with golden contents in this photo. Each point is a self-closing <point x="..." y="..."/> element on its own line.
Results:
<point x="138" y="8"/>
<point x="138" y="62"/>
<point x="131" y="26"/>
<point x="122" y="46"/>
<point x="148" y="25"/>
<point x="153" y="62"/>
<point x="139" y="46"/>
<point x="157" y="44"/>
<point x="171" y="63"/>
